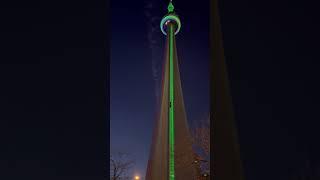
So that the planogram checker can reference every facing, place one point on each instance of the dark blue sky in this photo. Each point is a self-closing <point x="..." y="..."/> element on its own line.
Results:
<point x="136" y="64"/>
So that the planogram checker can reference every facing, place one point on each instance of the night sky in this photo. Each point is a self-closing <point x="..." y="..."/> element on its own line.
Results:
<point x="137" y="47"/>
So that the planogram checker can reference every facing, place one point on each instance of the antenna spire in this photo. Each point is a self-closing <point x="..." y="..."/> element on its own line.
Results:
<point x="170" y="7"/>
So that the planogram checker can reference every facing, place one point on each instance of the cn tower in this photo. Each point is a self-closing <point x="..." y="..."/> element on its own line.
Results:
<point x="171" y="156"/>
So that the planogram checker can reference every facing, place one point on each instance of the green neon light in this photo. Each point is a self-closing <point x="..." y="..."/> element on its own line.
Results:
<point x="171" y="115"/>
<point x="171" y="17"/>
<point x="170" y="7"/>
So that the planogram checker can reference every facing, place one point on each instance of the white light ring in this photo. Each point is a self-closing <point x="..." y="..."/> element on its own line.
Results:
<point x="173" y="18"/>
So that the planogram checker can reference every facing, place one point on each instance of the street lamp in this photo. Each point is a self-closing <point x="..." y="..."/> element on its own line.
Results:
<point x="136" y="177"/>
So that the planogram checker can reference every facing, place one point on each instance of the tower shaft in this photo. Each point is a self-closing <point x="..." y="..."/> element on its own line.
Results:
<point x="172" y="155"/>
<point x="171" y="95"/>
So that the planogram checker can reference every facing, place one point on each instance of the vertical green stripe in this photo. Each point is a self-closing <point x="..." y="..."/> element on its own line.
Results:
<point x="171" y="116"/>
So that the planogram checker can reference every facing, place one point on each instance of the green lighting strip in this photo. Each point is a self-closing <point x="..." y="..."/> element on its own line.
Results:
<point x="171" y="115"/>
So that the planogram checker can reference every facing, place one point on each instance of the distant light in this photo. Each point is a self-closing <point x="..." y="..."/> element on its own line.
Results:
<point x="136" y="177"/>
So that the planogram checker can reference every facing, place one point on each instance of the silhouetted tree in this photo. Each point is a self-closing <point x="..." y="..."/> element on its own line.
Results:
<point x="201" y="141"/>
<point x="120" y="164"/>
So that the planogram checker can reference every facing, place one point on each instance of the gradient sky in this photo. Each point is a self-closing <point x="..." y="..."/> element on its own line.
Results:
<point x="137" y="47"/>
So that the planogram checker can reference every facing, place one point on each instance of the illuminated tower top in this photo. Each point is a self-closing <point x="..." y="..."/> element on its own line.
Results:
<point x="170" y="17"/>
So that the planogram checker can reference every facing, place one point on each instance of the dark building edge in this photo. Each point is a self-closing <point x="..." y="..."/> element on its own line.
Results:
<point x="225" y="153"/>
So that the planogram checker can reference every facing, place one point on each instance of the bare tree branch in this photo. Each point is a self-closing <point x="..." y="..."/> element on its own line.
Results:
<point x="201" y="140"/>
<point x="120" y="164"/>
